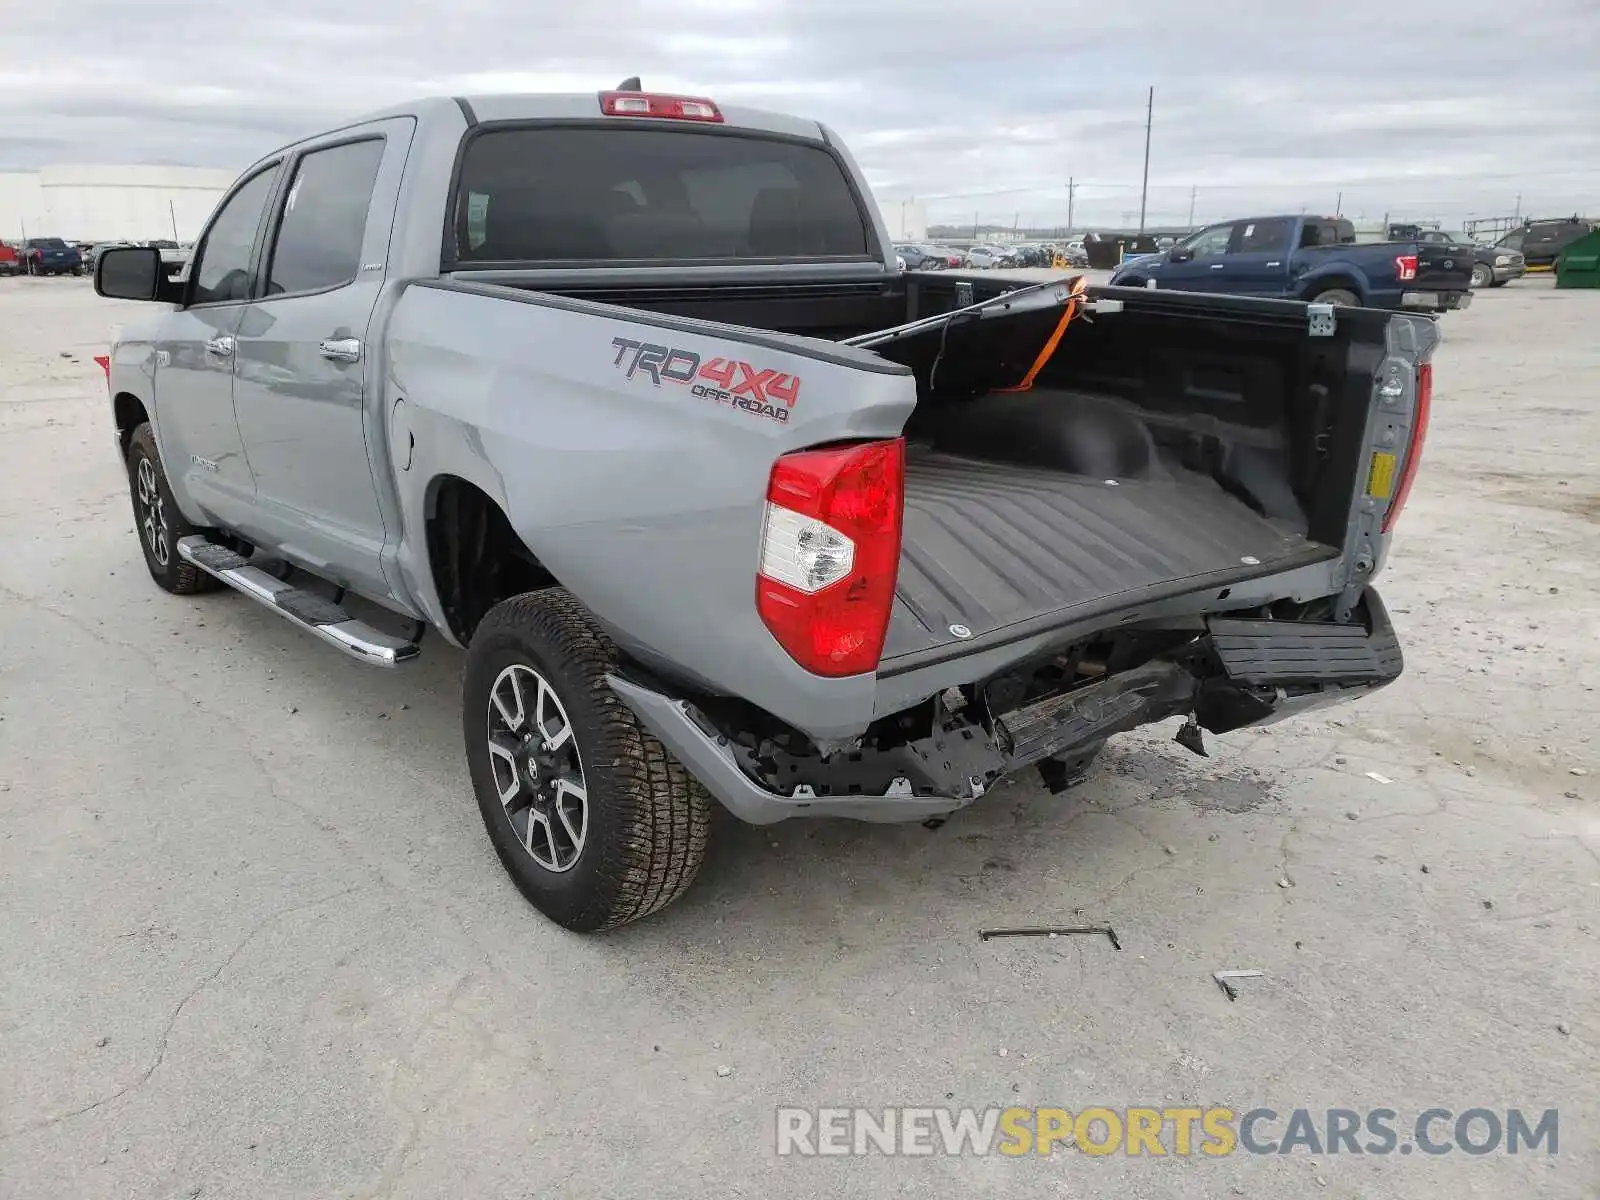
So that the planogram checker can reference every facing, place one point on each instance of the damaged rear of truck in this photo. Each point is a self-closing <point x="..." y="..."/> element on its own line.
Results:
<point x="625" y="395"/>
<point x="1105" y="509"/>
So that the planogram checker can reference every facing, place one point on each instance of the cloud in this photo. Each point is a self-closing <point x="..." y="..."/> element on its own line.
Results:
<point x="1435" y="107"/>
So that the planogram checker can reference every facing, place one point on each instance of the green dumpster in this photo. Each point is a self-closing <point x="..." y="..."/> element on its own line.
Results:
<point x="1579" y="264"/>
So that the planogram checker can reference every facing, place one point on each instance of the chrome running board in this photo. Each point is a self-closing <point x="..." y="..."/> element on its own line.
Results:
<point x="315" y="614"/>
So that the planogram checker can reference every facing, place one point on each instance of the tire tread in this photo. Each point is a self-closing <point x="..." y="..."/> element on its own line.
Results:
<point x="663" y="815"/>
<point x="182" y="578"/>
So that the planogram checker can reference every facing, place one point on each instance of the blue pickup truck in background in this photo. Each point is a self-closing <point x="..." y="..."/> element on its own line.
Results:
<point x="50" y="256"/>
<point x="1307" y="258"/>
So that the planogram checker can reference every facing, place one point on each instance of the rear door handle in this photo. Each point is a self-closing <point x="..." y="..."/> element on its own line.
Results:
<point x="1274" y="264"/>
<point x="1218" y="266"/>
<point x="222" y="346"/>
<point x="341" y="349"/>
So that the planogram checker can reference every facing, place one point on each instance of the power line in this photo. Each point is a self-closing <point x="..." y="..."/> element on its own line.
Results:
<point x="1455" y="179"/>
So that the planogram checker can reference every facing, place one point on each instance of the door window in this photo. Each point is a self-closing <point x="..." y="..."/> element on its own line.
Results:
<point x="325" y="219"/>
<point x="222" y="267"/>
<point x="1209" y="243"/>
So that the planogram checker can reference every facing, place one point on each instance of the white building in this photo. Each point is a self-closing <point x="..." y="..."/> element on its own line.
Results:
<point x="104" y="204"/>
<point x="907" y="219"/>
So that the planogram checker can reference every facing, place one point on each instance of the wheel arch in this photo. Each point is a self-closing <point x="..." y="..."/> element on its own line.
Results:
<point x="476" y="558"/>
<point x="1346" y="280"/>
<point x="128" y="412"/>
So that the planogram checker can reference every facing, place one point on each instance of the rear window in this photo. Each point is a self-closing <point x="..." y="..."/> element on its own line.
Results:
<point x="621" y="195"/>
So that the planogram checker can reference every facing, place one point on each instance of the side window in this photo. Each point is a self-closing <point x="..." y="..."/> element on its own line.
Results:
<point x="324" y="219"/>
<point x="1264" y="237"/>
<point x="222" y="266"/>
<point x="1209" y="243"/>
<point x="1319" y="233"/>
<point x="1512" y="241"/>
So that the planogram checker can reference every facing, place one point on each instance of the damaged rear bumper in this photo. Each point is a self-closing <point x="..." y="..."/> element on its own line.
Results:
<point x="1242" y="672"/>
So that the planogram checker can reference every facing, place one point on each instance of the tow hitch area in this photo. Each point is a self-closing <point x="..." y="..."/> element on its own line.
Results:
<point x="1233" y="672"/>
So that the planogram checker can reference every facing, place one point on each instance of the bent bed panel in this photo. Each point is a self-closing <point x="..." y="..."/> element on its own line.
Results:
<point x="991" y="546"/>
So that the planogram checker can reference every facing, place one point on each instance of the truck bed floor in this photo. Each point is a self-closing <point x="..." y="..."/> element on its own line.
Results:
<point x="991" y="545"/>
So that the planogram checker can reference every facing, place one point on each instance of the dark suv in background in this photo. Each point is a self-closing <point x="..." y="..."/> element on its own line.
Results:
<point x="1541" y="242"/>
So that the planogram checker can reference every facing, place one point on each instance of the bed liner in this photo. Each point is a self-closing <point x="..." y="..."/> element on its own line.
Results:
<point x="987" y="546"/>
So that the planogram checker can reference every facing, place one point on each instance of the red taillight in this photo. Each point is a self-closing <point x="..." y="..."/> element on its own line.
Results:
<point x="1419" y="432"/>
<point x="653" y="104"/>
<point x="1405" y="267"/>
<point x="830" y="551"/>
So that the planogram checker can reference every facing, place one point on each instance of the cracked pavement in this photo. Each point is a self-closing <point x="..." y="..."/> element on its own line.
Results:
<point x="256" y="944"/>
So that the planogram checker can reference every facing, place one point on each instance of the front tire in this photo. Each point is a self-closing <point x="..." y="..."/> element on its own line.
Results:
<point x="1482" y="275"/>
<point x="158" y="522"/>
<point x="594" y="821"/>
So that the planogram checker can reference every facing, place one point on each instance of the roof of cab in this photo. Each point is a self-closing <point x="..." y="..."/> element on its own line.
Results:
<point x="583" y="106"/>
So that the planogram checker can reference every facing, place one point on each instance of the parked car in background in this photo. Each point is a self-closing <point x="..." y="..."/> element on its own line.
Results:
<point x="1308" y="258"/>
<point x="9" y="263"/>
<point x="1492" y="266"/>
<point x="50" y="256"/>
<point x="1541" y="242"/>
<point x="984" y="257"/>
<point x="919" y="256"/>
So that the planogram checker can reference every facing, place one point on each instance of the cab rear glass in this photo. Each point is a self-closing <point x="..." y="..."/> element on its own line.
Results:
<point x="581" y="194"/>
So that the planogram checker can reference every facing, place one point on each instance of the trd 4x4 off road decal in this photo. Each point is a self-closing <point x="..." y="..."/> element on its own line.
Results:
<point x="767" y="393"/>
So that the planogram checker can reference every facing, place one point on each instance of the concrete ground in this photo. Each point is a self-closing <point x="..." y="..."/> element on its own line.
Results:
<point x="255" y="942"/>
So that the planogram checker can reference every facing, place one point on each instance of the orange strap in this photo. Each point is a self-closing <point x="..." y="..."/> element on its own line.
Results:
<point x="1070" y="311"/>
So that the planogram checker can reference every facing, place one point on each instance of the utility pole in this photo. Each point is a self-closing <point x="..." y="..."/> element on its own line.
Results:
<point x="1517" y="220"/>
<point x="1072" y="188"/>
<point x="1338" y="205"/>
<point x="1193" y="190"/>
<point x="173" y="213"/>
<point x="1149" y="118"/>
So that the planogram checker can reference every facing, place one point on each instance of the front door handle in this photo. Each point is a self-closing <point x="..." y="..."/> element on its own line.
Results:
<point x="341" y="349"/>
<point x="1274" y="264"/>
<point x="222" y="346"/>
<point x="1218" y="266"/>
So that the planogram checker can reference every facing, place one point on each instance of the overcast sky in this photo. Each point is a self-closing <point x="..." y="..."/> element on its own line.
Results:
<point x="1442" y="108"/>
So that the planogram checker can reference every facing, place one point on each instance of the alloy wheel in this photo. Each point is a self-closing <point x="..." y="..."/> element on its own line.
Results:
<point x="153" y="512"/>
<point x="537" y="769"/>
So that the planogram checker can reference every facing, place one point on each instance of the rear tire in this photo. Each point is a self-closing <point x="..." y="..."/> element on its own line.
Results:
<point x="594" y="821"/>
<point x="1343" y="297"/>
<point x="158" y="522"/>
<point x="1482" y="275"/>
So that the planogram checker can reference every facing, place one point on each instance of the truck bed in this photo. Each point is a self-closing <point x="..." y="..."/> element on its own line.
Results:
<point x="992" y="546"/>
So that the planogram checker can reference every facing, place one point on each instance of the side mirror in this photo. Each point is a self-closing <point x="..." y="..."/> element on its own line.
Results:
<point x="130" y="273"/>
<point x="1180" y="254"/>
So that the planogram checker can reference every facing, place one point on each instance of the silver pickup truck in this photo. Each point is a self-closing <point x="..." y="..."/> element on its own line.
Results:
<point x="624" y="394"/>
